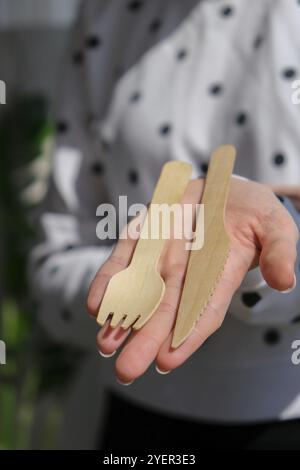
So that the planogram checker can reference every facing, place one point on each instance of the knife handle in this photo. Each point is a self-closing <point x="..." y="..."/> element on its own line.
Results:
<point x="216" y="185"/>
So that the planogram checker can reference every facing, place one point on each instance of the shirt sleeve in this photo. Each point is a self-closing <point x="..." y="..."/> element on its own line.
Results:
<point x="257" y="303"/>
<point x="68" y="253"/>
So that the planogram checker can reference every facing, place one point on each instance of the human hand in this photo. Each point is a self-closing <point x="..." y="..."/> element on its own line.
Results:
<point x="261" y="231"/>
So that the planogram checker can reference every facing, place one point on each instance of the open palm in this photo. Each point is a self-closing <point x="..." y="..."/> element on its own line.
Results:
<point x="261" y="232"/>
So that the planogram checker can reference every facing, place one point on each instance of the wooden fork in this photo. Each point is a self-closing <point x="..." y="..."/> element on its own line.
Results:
<point x="133" y="294"/>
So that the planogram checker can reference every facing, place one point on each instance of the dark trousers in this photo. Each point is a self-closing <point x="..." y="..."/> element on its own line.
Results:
<point x="131" y="427"/>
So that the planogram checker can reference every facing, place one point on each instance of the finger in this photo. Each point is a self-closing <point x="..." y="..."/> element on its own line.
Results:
<point x="118" y="260"/>
<point x="213" y="316"/>
<point x="109" y="339"/>
<point x="144" y="344"/>
<point x="278" y="236"/>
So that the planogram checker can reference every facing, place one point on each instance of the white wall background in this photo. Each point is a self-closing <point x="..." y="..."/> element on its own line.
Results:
<point x="16" y="14"/>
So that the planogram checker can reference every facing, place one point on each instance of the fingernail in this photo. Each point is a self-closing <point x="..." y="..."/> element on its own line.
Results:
<point x="106" y="355"/>
<point x="287" y="291"/>
<point x="162" y="372"/>
<point x="124" y="383"/>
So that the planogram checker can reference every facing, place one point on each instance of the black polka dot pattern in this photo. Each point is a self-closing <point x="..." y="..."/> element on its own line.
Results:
<point x="135" y="97"/>
<point x="272" y="337"/>
<point x="97" y="168"/>
<point x="69" y="247"/>
<point x="54" y="270"/>
<point x="133" y="177"/>
<point x="204" y="167"/>
<point x="289" y="73"/>
<point x="93" y="41"/>
<point x="62" y="127"/>
<point x="241" y="118"/>
<point x="250" y="299"/>
<point x="155" y="25"/>
<point x="258" y="41"/>
<point x="165" y="129"/>
<point x="279" y="159"/>
<point x="135" y="5"/>
<point x="66" y="315"/>
<point x="215" y="89"/>
<point x="226" y="11"/>
<point x="181" y="54"/>
<point x="77" y="57"/>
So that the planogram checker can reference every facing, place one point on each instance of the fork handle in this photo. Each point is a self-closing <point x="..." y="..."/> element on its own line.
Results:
<point x="169" y="190"/>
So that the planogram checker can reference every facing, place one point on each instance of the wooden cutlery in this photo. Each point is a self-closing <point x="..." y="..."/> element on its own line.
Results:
<point x="207" y="264"/>
<point x="133" y="295"/>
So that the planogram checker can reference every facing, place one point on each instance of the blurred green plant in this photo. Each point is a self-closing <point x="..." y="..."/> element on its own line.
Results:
<point x="36" y="366"/>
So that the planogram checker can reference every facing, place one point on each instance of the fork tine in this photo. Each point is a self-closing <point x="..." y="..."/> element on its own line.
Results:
<point x="116" y="319"/>
<point x="103" y="316"/>
<point x="129" y="320"/>
<point x="140" y="322"/>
